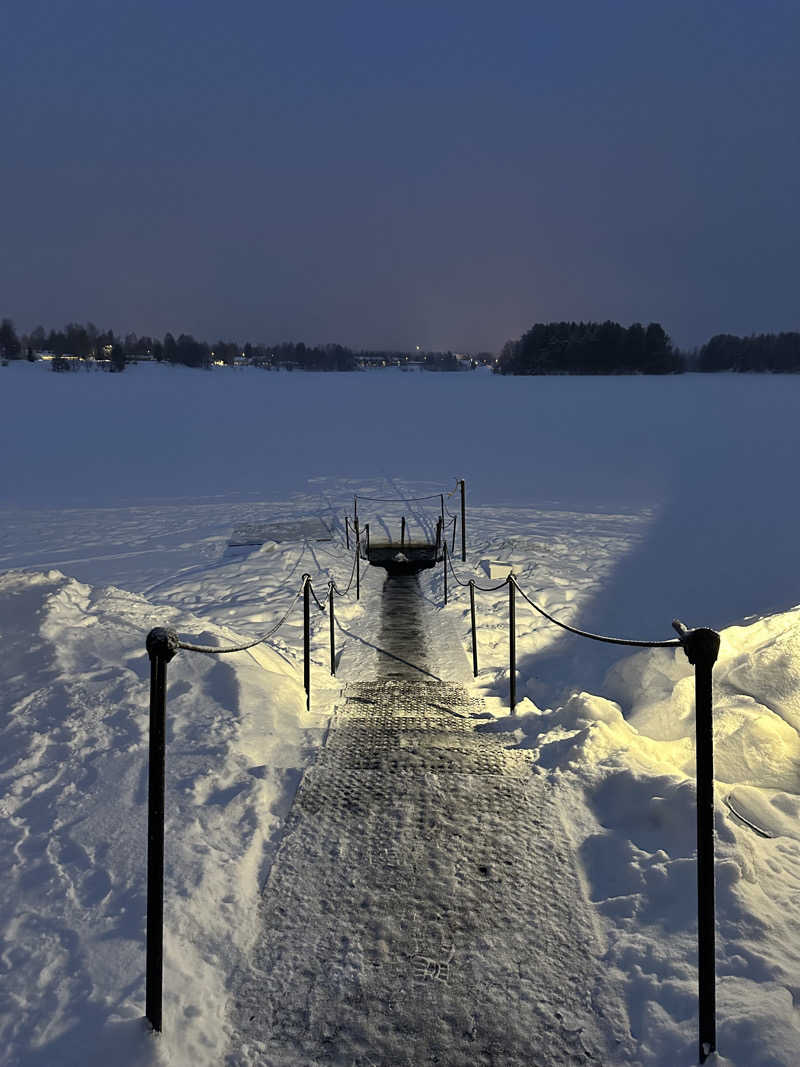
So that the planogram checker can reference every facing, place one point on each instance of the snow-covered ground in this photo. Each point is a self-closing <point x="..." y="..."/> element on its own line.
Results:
<point x="620" y="503"/>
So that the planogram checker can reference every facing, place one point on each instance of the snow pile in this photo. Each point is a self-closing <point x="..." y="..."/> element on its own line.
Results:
<point x="625" y="771"/>
<point x="74" y="783"/>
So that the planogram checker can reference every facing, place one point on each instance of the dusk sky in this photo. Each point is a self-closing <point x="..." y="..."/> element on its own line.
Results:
<point x="392" y="174"/>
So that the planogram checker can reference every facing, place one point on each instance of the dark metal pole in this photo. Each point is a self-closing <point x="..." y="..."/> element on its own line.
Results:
<point x="438" y="536"/>
<point x="474" y="631"/>
<point x="403" y="532"/>
<point x="463" y="523"/>
<point x="454" y="536"/>
<point x="358" y="571"/>
<point x="444" y="571"/>
<point x="512" y="643"/>
<point x="332" y="622"/>
<point x="307" y="638"/>
<point x="366" y="531"/>
<point x="441" y="506"/>
<point x="347" y="529"/>
<point x="161" y="647"/>
<point x="702" y="647"/>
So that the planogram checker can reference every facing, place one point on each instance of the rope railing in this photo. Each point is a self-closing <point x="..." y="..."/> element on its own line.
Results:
<point x="346" y="590"/>
<point x="163" y="644"/>
<point x="702" y="648"/>
<point x="405" y="499"/>
<point x="442" y="531"/>
<point x="700" y="645"/>
<point x="210" y="650"/>
<point x="672" y="643"/>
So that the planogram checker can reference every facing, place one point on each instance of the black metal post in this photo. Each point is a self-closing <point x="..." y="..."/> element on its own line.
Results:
<point x="332" y="622"/>
<point x="403" y="532"/>
<point x="474" y="631"/>
<point x="347" y="529"/>
<point x="454" y="536"/>
<point x="444" y="571"/>
<point x="161" y="646"/>
<point x="438" y="536"/>
<point x="366" y="532"/>
<point x="358" y="571"/>
<point x="702" y="647"/>
<point x="463" y="523"/>
<point x="441" y="507"/>
<point x="512" y="643"/>
<point x="307" y="638"/>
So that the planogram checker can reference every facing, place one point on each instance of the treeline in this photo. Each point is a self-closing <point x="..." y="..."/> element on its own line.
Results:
<point x="608" y="348"/>
<point x="547" y="348"/>
<point x="776" y="352"/>
<point x="591" y="348"/>
<point x="91" y="346"/>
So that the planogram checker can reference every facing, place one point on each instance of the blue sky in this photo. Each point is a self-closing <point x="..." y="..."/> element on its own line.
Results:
<point x="389" y="174"/>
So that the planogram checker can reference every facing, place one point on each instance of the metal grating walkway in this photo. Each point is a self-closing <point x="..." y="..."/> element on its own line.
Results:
<point x="424" y="906"/>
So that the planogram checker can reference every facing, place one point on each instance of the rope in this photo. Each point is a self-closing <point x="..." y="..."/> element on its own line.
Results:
<point x="321" y="607"/>
<point x="400" y="499"/>
<point x="208" y="650"/>
<point x="337" y="591"/>
<point x="405" y="499"/>
<point x="675" y="642"/>
<point x="482" y="588"/>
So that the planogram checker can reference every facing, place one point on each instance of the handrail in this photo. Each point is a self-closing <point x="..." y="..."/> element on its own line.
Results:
<point x="459" y="487"/>
<point x="163" y="644"/>
<point x="702" y="648"/>
<point x="404" y="499"/>
<point x="674" y="642"/>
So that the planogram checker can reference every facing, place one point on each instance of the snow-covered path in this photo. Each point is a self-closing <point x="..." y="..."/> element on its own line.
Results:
<point x="424" y="905"/>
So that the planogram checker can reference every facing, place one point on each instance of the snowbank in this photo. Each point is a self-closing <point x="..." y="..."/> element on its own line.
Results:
<point x="625" y="771"/>
<point x="73" y="772"/>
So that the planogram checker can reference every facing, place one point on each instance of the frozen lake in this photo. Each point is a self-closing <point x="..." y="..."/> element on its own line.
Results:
<point x="709" y="459"/>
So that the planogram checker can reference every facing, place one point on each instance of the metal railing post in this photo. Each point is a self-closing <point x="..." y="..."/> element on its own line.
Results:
<point x="438" y="536"/>
<point x="307" y="638"/>
<point x="332" y="622"/>
<point x="162" y="644"/>
<point x="366" y="532"/>
<point x="512" y="643"/>
<point x="444" y="571"/>
<point x="474" y="631"/>
<point x="358" y="570"/>
<point x="403" y="532"/>
<point x="452" y="550"/>
<point x="441" y="507"/>
<point x="463" y="523"/>
<point x="702" y="647"/>
<point x="347" y="529"/>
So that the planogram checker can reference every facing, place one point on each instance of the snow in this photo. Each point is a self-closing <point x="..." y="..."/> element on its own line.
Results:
<point x="619" y="504"/>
